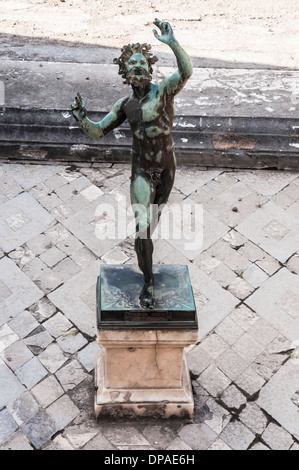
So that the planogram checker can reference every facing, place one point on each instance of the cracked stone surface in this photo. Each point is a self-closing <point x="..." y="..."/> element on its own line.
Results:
<point x="244" y="370"/>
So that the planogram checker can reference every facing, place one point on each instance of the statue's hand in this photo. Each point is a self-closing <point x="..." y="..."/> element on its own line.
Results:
<point x="78" y="108"/>
<point x="166" y="31"/>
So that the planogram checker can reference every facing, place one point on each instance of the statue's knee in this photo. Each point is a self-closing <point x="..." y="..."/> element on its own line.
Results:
<point x="142" y="229"/>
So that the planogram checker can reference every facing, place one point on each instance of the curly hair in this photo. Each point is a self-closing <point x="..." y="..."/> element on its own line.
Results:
<point x="130" y="49"/>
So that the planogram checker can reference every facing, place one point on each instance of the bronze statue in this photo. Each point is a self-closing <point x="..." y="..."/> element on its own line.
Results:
<point x="149" y="111"/>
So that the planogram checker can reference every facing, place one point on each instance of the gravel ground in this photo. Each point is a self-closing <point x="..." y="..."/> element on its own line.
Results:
<point x="259" y="33"/>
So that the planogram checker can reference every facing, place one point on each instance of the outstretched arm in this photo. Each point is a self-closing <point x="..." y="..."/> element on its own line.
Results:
<point x="177" y="81"/>
<point x="98" y="129"/>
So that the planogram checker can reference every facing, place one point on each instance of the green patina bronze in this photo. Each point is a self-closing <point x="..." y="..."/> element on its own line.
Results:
<point x="118" y="302"/>
<point x="150" y="112"/>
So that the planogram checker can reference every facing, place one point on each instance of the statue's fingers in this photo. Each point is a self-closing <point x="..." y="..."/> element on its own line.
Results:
<point x="158" y="23"/>
<point x="155" y="33"/>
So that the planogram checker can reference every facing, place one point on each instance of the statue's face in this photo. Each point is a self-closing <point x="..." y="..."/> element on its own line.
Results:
<point x="138" y="70"/>
<point x="137" y="62"/>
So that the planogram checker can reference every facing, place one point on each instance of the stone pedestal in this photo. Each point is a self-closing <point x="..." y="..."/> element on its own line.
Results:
<point x="141" y="367"/>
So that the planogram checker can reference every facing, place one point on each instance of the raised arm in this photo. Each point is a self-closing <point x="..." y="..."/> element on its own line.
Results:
<point x="176" y="81"/>
<point x="98" y="129"/>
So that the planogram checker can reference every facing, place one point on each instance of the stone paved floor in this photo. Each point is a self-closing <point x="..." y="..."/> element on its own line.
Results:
<point x="245" y="369"/>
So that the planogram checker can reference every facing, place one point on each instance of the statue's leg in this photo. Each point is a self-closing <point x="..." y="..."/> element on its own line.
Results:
<point x="163" y="189"/>
<point x="142" y="196"/>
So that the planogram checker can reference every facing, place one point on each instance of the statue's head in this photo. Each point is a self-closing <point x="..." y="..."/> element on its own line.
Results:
<point x="135" y="64"/>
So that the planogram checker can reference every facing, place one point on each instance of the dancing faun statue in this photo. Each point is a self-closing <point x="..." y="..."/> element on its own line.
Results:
<point x="150" y="112"/>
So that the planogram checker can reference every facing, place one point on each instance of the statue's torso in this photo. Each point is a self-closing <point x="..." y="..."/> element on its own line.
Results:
<point x="151" y="120"/>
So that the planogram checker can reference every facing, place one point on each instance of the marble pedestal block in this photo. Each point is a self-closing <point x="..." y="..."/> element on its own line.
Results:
<point x="141" y="367"/>
<point x="144" y="373"/>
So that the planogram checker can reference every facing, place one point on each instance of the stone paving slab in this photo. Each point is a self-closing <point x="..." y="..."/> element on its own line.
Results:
<point x="278" y="397"/>
<point x="277" y="301"/>
<point x="273" y="229"/>
<point x="17" y="291"/>
<point x="69" y="298"/>
<point x="20" y="218"/>
<point x="244" y="369"/>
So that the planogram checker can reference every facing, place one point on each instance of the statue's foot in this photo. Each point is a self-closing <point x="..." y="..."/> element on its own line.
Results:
<point x="147" y="296"/>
